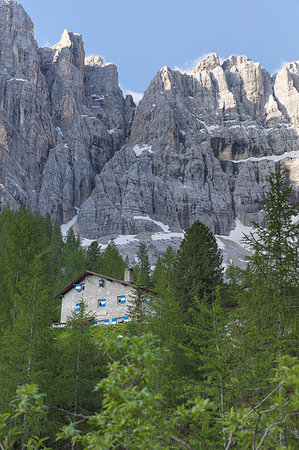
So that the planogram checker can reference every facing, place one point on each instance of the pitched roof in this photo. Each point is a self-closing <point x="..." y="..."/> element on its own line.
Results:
<point x="88" y="272"/>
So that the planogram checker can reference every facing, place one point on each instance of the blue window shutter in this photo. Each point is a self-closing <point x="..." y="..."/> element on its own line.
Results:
<point x="113" y="320"/>
<point x="122" y="299"/>
<point x="95" y="322"/>
<point x="126" y="318"/>
<point x="78" y="287"/>
<point x="106" y="321"/>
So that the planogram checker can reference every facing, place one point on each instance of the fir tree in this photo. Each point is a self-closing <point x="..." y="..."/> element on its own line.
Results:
<point x="275" y="245"/>
<point x="197" y="267"/>
<point x="93" y="255"/>
<point x="111" y="263"/>
<point x="143" y="268"/>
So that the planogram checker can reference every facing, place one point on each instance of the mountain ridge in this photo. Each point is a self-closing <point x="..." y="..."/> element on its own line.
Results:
<point x="198" y="146"/>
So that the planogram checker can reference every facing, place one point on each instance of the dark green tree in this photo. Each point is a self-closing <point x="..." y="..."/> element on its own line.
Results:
<point x="111" y="263"/>
<point x="143" y="268"/>
<point x="93" y="257"/>
<point x="197" y="268"/>
<point x="164" y="268"/>
<point x="73" y="258"/>
<point x="264" y="326"/>
<point x="275" y="243"/>
<point x="138" y="310"/>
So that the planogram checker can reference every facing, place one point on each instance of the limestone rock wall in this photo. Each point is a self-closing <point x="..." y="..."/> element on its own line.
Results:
<point x="199" y="145"/>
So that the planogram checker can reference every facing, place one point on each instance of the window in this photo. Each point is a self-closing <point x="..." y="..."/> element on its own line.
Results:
<point x="78" y="307"/>
<point x="146" y="300"/>
<point x="102" y="303"/>
<point x="80" y="287"/>
<point x="102" y="322"/>
<point x="114" y="321"/>
<point x="101" y="282"/>
<point x="121" y="299"/>
<point x="126" y="318"/>
<point x="106" y="321"/>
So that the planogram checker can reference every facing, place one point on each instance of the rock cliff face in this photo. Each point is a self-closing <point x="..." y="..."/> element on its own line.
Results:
<point x="61" y="118"/>
<point x="200" y="145"/>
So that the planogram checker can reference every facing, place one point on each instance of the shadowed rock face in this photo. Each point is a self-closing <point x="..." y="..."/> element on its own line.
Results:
<point x="55" y="113"/>
<point x="183" y="160"/>
<point x="200" y="145"/>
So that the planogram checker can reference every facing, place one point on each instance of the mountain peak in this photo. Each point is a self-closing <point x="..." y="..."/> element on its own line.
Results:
<point x="209" y="62"/>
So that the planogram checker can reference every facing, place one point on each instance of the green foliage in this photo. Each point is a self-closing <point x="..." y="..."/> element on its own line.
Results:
<point x="275" y="245"/>
<point x="143" y="269"/>
<point x="132" y="414"/>
<point x="137" y="309"/>
<point x="111" y="263"/>
<point x="197" y="267"/>
<point x="93" y="255"/>
<point x="213" y="377"/>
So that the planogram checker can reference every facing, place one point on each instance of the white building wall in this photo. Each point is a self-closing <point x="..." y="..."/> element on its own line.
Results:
<point x="91" y="295"/>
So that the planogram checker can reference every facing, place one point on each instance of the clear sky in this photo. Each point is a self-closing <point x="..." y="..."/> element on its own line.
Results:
<point x="141" y="36"/>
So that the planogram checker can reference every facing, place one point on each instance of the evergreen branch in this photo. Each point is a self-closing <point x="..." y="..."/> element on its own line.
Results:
<point x="264" y="399"/>
<point x="276" y="406"/>
<point x="275" y="425"/>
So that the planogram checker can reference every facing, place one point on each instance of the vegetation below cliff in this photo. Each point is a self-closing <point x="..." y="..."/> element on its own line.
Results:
<point x="212" y="366"/>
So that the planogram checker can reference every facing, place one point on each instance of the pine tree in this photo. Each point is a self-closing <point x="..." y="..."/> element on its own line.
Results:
<point x="111" y="262"/>
<point x="197" y="268"/>
<point x="93" y="256"/>
<point x="275" y="245"/>
<point x="164" y="268"/>
<point x="264" y="327"/>
<point x="143" y="268"/>
<point x="73" y="258"/>
<point x="137" y="309"/>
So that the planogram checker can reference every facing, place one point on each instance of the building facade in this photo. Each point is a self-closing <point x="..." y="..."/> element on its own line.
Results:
<point x="105" y="299"/>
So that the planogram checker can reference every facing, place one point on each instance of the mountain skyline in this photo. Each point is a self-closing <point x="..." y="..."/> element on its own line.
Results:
<point x="141" y="37"/>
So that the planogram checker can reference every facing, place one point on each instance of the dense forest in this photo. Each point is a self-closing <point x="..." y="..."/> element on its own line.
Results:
<point x="210" y="364"/>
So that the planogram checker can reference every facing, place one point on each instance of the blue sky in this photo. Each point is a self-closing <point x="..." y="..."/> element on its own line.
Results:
<point x="141" y="36"/>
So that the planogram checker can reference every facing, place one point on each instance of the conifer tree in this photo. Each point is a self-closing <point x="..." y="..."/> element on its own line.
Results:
<point x="73" y="258"/>
<point x="143" y="268"/>
<point x="275" y="244"/>
<point x="111" y="263"/>
<point x="197" y="268"/>
<point x="137" y="309"/>
<point x="93" y="256"/>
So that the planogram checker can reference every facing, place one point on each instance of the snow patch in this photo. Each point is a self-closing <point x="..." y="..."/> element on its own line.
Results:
<point x="67" y="226"/>
<point x="292" y="154"/>
<point x="110" y="131"/>
<point x="19" y="79"/>
<point x="236" y="234"/>
<point x="139" y="149"/>
<point x="183" y="132"/>
<point x="163" y="227"/>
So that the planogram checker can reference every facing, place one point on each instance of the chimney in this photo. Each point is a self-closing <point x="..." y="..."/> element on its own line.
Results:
<point x="128" y="275"/>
